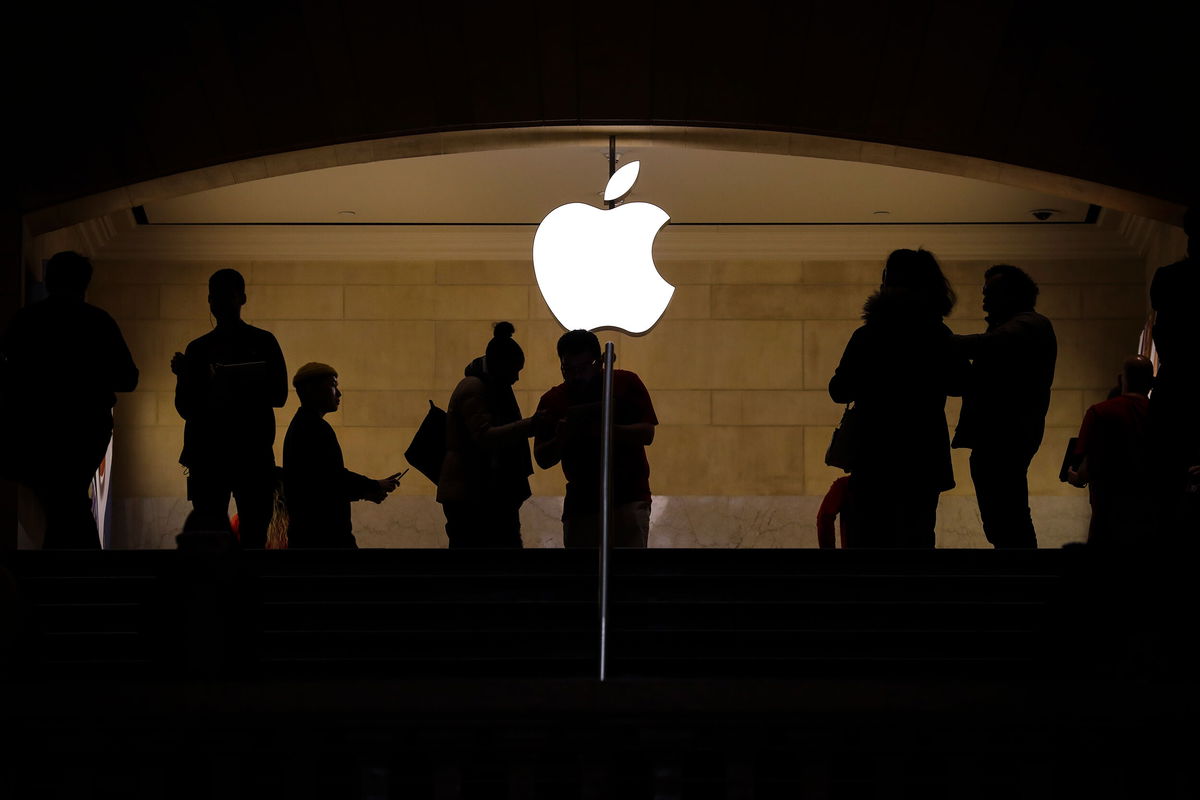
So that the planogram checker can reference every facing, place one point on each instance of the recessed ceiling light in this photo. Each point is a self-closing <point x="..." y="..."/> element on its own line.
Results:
<point x="347" y="213"/>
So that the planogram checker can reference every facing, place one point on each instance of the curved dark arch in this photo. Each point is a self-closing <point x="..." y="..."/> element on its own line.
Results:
<point x="117" y="98"/>
<point x="746" y="141"/>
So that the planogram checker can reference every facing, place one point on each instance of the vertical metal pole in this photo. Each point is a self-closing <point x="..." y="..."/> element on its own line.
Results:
<point x="612" y="163"/>
<point x="606" y="465"/>
<point x="606" y="503"/>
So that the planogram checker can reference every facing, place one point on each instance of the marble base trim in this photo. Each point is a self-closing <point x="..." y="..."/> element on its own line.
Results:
<point x="675" y="521"/>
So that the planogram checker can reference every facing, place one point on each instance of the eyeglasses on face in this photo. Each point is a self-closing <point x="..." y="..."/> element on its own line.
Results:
<point x="572" y="369"/>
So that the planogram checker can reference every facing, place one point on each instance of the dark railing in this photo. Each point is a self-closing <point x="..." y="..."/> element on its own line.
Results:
<point x="532" y="613"/>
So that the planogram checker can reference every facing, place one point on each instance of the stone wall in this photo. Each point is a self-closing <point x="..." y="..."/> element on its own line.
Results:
<point x="737" y="369"/>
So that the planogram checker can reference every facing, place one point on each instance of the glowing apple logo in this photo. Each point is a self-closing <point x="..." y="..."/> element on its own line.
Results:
<point x="595" y="266"/>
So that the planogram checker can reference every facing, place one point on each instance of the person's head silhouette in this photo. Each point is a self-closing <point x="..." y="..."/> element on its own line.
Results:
<point x="918" y="271"/>
<point x="504" y="356"/>
<point x="1137" y="375"/>
<point x="1007" y="290"/>
<point x="226" y="295"/>
<point x="68" y="275"/>
<point x="317" y="387"/>
<point x="579" y="356"/>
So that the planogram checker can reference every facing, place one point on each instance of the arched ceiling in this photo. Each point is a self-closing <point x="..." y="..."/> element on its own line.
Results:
<point x="109" y="97"/>
<point x="519" y="186"/>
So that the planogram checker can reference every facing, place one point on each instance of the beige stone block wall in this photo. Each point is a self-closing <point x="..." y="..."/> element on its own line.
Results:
<point x="738" y="370"/>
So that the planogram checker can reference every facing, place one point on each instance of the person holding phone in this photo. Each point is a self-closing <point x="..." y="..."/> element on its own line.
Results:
<point x="317" y="486"/>
<point x="575" y="441"/>
<point x="228" y="384"/>
<point x="485" y="475"/>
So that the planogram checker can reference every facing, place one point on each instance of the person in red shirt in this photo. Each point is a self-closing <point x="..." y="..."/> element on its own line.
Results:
<point x="575" y="404"/>
<point x="1113" y="448"/>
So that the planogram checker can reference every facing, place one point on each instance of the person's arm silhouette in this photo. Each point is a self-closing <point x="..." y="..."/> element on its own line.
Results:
<point x="641" y="409"/>
<point x="191" y="383"/>
<point x="846" y="384"/>
<point x="119" y="367"/>
<point x="477" y="417"/>
<point x="638" y="433"/>
<point x="273" y="387"/>
<point x="1079" y="476"/>
<point x="359" y="487"/>
<point x="547" y="450"/>
<point x="1001" y="339"/>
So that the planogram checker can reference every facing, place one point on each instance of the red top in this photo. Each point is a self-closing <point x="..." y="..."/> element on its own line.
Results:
<point x="1113" y="437"/>
<point x="831" y="506"/>
<point x="581" y="460"/>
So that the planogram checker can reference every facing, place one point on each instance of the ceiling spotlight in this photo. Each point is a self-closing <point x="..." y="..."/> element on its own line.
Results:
<point x="1043" y="214"/>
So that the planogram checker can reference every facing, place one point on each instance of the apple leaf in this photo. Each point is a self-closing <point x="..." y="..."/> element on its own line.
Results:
<point x="622" y="181"/>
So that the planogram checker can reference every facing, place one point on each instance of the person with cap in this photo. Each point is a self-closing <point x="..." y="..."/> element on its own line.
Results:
<point x="485" y="475"/>
<point x="228" y="384"/>
<point x="317" y="486"/>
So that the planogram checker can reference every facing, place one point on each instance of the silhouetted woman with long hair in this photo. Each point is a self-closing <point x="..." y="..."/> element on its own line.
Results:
<point x="897" y="369"/>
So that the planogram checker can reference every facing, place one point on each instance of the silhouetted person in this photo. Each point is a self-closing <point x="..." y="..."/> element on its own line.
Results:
<point x="835" y="503"/>
<point x="1175" y="403"/>
<point x="575" y="405"/>
<point x="1004" y="406"/>
<point x="229" y="383"/>
<point x="317" y="485"/>
<point x="898" y="369"/>
<point x="1113" y="448"/>
<point x="485" y="475"/>
<point x="65" y="359"/>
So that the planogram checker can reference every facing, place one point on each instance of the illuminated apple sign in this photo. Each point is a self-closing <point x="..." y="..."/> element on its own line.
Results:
<point x="595" y="266"/>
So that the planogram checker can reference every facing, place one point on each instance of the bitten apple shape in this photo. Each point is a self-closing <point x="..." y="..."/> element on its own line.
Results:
<point x="595" y="267"/>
